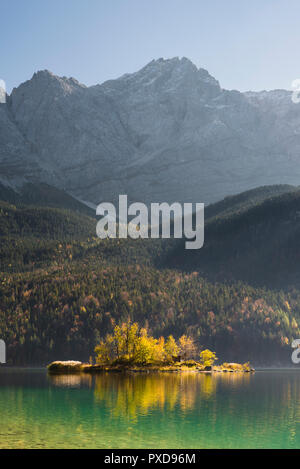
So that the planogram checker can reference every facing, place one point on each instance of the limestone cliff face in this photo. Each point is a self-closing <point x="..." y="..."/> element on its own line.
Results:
<point x="165" y="133"/>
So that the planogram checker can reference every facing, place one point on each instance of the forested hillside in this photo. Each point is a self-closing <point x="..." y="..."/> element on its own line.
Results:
<point x="259" y="245"/>
<point x="61" y="288"/>
<point x="43" y="195"/>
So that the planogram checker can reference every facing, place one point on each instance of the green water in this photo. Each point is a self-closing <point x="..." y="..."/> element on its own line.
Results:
<point x="149" y="411"/>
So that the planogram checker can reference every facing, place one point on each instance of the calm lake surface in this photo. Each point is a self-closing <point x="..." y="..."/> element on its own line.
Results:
<point x="149" y="411"/>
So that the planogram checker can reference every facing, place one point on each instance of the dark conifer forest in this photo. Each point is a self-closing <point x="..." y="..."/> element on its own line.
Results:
<point x="62" y="288"/>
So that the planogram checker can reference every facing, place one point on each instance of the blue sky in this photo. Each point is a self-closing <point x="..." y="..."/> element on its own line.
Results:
<point x="244" y="44"/>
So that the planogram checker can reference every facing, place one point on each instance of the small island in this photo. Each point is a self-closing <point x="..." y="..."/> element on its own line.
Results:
<point x="131" y="349"/>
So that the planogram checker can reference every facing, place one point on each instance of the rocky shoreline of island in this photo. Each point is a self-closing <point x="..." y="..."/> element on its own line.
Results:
<point x="70" y="367"/>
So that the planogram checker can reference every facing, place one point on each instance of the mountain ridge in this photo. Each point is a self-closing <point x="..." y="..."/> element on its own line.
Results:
<point x="167" y="132"/>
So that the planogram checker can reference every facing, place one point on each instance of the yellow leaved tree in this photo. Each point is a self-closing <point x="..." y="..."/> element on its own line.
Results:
<point x="208" y="358"/>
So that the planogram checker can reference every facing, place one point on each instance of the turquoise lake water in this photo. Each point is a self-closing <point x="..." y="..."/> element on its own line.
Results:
<point x="166" y="410"/>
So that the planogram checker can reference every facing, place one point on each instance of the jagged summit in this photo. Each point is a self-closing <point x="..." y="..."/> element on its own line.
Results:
<point x="43" y="73"/>
<point x="173" y="62"/>
<point x="183" y="64"/>
<point x="48" y="75"/>
<point x="168" y="76"/>
<point x="45" y="78"/>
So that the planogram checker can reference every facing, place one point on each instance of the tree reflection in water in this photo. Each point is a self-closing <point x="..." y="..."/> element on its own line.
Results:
<point x="133" y="395"/>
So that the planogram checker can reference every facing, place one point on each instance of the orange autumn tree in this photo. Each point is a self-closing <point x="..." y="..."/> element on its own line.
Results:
<point x="187" y="347"/>
<point x="171" y="349"/>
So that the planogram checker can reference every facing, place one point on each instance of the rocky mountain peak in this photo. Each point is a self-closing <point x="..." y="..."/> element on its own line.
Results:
<point x="167" y="132"/>
<point x="45" y="80"/>
<point x="162" y="77"/>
